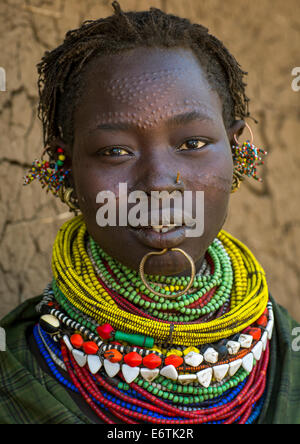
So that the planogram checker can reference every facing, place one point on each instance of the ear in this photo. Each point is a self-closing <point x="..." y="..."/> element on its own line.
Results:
<point x="59" y="143"/>
<point x="236" y="130"/>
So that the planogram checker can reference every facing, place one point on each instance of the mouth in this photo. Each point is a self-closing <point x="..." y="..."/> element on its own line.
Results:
<point x="158" y="228"/>
<point x="160" y="236"/>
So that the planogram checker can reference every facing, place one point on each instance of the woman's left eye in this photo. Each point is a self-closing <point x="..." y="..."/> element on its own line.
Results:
<point x="192" y="144"/>
<point x="115" y="151"/>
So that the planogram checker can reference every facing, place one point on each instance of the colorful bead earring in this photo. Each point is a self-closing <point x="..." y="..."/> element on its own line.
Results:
<point x="246" y="159"/>
<point x="52" y="175"/>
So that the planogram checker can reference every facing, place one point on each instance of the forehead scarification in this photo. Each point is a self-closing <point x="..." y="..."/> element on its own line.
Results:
<point x="153" y="85"/>
<point x="146" y="96"/>
<point x="149" y="115"/>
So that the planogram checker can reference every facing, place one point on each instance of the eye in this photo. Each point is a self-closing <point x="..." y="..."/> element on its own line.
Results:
<point x="115" y="151"/>
<point x="192" y="144"/>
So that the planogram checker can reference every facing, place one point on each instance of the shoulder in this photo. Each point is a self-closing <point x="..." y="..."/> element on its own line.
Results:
<point x="15" y="323"/>
<point x="16" y="362"/>
<point x="287" y="331"/>
<point x="283" y="394"/>
<point x="22" y="312"/>
<point x="29" y="394"/>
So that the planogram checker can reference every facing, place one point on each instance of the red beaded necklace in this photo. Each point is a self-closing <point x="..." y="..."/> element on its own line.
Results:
<point x="239" y="409"/>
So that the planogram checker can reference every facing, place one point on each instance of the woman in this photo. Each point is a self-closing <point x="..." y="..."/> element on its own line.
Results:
<point x="143" y="322"/>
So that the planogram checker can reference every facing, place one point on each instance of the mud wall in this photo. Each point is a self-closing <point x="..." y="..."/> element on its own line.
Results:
<point x="264" y="35"/>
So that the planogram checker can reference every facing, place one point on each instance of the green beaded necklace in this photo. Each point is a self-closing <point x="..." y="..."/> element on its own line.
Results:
<point x="128" y="284"/>
<point x="166" y="389"/>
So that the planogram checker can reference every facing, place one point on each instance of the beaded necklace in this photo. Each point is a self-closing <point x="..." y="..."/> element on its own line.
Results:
<point x="238" y="400"/>
<point x="198" y="358"/>
<point x="186" y="308"/>
<point x="76" y="278"/>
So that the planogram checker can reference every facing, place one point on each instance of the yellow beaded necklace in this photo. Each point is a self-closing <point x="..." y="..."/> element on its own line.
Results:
<point x="77" y="280"/>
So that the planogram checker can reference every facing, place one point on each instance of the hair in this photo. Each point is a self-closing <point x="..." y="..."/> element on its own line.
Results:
<point x="61" y="71"/>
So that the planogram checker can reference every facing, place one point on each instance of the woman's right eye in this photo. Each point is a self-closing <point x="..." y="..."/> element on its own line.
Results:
<point x="115" y="151"/>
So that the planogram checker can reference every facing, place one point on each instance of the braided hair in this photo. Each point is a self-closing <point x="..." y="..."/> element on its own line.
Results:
<point x="61" y="71"/>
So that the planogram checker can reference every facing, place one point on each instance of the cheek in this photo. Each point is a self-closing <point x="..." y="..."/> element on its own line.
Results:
<point x="214" y="174"/>
<point x="215" y="184"/>
<point x="89" y="180"/>
<point x="215" y="180"/>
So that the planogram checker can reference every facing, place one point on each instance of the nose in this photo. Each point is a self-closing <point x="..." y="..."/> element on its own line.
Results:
<point x="159" y="173"/>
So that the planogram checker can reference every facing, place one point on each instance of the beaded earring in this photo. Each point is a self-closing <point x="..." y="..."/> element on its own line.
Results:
<point x="246" y="158"/>
<point x="52" y="175"/>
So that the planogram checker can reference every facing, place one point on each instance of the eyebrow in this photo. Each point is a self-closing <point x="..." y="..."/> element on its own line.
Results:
<point x="181" y="119"/>
<point x="177" y="120"/>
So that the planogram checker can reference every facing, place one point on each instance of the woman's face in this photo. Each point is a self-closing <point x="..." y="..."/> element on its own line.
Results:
<point x="144" y="116"/>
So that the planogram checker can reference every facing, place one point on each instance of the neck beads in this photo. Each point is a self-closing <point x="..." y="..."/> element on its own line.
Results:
<point x="136" y="357"/>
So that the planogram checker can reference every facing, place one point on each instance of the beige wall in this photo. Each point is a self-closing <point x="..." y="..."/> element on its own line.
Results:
<point x="264" y="37"/>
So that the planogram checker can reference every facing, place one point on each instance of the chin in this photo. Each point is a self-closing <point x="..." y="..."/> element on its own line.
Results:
<point x="171" y="263"/>
<point x="125" y="247"/>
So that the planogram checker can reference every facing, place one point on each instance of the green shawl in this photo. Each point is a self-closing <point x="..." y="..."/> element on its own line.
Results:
<point x="28" y="395"/>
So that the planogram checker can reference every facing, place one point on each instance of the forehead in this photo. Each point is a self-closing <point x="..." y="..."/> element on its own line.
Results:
<point x="146" y="86"/>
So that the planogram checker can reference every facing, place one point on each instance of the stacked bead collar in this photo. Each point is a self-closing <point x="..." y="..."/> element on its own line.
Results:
<point x="183" y="376"/>
<point x="177" y="389"/>
<point x="76" y="284"/>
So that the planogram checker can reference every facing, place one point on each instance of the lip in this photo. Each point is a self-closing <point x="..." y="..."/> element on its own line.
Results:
<point x="152" y="239"/>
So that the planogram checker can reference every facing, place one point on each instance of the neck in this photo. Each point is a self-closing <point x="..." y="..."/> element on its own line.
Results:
<point x="187" y="272"/>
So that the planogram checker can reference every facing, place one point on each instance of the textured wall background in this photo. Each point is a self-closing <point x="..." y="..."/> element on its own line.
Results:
<point x="264" y="37"/>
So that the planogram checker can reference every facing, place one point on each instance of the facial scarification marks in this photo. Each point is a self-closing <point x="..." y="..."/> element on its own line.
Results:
<point x="147" y="117"/>
<point x="214" y="181"/>
<point x="147" y="87"/>
<point x="143" y="92"/>
<point x="147" y="96"/>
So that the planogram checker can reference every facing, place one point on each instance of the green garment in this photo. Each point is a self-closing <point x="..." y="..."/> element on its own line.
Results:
<point x="29" y="395"/>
